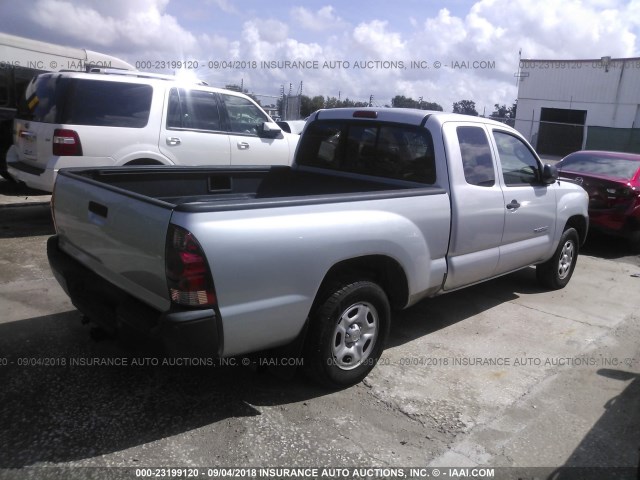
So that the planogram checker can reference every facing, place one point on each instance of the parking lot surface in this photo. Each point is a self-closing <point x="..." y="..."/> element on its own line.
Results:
<point x="502" y="374"/>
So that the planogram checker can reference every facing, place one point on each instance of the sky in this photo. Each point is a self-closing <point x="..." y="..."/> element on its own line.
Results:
<point x="441" y="51"/>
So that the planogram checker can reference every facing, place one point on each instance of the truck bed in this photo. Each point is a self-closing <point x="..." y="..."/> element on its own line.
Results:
<point x="115" y="221"/>
<point x="211" y="188"/>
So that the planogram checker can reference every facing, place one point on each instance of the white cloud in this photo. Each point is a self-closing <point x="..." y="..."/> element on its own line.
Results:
<point x="321" y="20"/>
<point x="141" y="26"/>
<point x="490" y="30"/>
<point x="443" y="33"/>
<point x="561" y="30"/>
<point x="224" y="5"/>
<point x="269" y="31"/>
<point x="373" y="38"/>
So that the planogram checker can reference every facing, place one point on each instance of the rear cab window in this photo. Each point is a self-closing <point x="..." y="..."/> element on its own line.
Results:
<point x="401" y="152"/>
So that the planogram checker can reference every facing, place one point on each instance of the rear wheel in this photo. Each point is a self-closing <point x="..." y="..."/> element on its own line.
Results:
<point x="347" y="333"/>
<point x="556" y="272"/>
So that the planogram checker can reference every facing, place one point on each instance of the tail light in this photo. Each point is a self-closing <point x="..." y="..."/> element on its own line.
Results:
<point x="66" y="143"/>
<point x="622" y="197"/>
<point x="187" y="270"/>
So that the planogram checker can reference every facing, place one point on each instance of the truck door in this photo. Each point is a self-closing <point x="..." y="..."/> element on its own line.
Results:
<point x="192" y="132"/>
<point x="477" y="204"/>
<point x="529" y="205"/>
<point x="247" y="148"/>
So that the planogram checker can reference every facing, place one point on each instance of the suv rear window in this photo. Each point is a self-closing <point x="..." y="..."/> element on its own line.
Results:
<point x="54" y="99"/>
<point x="383" y="150"/>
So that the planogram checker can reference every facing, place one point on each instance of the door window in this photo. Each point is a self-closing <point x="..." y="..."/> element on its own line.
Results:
<point x="244" y="116"/>
<point x="519" y="165"/>
<point x="193" y="110"/>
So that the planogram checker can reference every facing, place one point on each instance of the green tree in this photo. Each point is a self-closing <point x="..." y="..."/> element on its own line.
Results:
<point x="502" y="111"/>
<point x="466" y="107"/>
<point x="331" y="102"/>
<point x="309" y="105"/>
<point x="431" y="106"/>
<point x="352" y="104"/>
<point x="400" y="101"/>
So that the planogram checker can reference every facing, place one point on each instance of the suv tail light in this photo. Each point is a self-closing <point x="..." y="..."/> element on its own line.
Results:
<point x="66" y="143"/>
<point x="188" y="276"/>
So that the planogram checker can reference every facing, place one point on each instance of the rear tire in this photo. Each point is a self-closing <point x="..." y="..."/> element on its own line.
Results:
<point x="556" y="272"/>
<point x="347" y="334"/>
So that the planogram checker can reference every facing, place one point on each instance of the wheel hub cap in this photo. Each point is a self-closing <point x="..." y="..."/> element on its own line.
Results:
<point x="355" y="335"/>
<point x="566" y="259"/>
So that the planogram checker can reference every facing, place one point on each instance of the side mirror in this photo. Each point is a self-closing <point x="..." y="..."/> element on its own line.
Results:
<point x="284" y="126"/>
<point x="269" y="130"/>
<point x="549" y="174"/>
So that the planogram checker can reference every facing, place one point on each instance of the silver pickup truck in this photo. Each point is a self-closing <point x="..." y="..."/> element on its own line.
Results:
<point x="381" y="209"/>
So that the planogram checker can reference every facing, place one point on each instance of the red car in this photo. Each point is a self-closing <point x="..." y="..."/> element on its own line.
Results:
<point x="612" y="180"/>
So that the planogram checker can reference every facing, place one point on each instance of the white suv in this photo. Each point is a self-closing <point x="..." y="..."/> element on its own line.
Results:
<point x="133" y="118"/>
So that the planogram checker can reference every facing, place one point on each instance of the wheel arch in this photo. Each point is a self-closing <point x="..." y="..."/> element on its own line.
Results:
<point x="380" y="269"/>
<point x="581" y="225"/>
<point x="143" y="161"/>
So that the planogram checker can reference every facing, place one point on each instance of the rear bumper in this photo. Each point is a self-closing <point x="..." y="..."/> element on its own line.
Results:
<point x="181" y="332"/>
<point x="33" y="177"/>
<point x="623" y="225"/>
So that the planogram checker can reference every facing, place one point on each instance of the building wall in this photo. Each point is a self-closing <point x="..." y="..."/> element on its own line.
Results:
<point x="609" y="93"/>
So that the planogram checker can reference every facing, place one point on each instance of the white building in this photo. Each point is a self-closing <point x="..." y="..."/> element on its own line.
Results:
<point x="568" y="105"/>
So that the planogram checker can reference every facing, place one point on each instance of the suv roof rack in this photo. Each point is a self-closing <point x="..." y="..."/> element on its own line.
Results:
<point x="138" y="74"/>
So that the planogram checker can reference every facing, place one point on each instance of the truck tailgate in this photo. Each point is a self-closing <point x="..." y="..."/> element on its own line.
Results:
<point x="119" y="237"/>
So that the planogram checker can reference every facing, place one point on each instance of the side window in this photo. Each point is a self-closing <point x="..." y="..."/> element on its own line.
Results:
<point x="193" y="109"/>
<point x="476" y="156"/>
<point x="519" y="165"/>
<point x="174" y="110"/>
<point x="244" y="116"/>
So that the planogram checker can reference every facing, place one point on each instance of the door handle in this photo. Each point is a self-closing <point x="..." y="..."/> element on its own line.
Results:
<point x="173" y="141"/>
<point x="514" y="205"/>
<point x="98" y="209"/>
<point x="243" y="146"/>
<point x="98" y="213"/>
